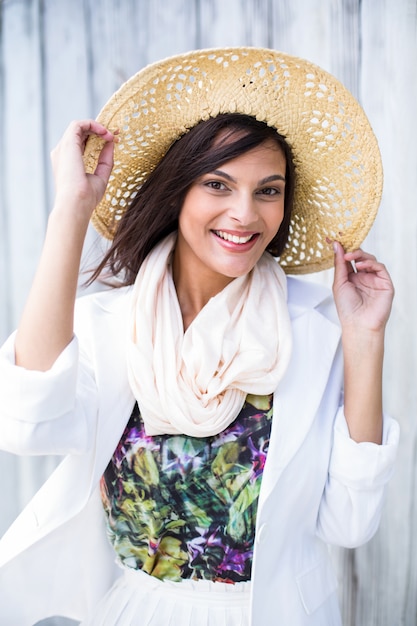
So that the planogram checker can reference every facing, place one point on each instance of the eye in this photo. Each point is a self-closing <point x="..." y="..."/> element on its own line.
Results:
<point x="269" y="191"/>
<point x="217" y="185"/>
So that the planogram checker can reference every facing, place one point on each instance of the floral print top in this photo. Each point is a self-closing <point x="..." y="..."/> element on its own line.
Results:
<point x="185" y="507"/>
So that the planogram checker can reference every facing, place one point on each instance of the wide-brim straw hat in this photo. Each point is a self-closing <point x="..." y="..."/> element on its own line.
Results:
<point x="338" y="164"/>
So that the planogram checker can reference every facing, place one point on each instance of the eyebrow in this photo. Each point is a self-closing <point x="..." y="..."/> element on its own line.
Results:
<point x="264" y="181"/>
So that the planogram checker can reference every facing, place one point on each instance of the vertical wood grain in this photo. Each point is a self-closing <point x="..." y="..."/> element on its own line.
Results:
<point x="235" y="23"/>
<point x="23" y="190"/>
<point x="389" y="92"/>
<point x="5" y="304"/>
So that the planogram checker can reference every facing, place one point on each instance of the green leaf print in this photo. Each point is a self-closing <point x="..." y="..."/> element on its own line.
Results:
<point x="167" y="560"/>
<point x="241" y="515"/>
<point x="262" y="403"/>
<point x="202" y="519"/>
<point x="226" y="459"/>
<point x="185" y="507"/>
<point x="144" y="466"/>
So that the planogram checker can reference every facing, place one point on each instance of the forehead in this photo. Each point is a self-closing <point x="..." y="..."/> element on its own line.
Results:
<point x="268" y="148"/>
<point x="227" y="136"/>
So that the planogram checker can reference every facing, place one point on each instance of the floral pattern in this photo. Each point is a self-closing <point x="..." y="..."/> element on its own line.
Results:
<point x="185" y="507"/>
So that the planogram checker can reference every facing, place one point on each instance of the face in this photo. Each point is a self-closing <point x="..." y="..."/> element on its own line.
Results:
<point x="230" y="215"/>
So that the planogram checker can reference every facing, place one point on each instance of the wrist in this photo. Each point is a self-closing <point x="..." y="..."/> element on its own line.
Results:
<point x="364" y="349"/>
<point x="68" y="219"/>
<point x="370" y="338"/>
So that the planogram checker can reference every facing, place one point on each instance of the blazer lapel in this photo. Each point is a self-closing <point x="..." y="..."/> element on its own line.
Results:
<point x="298" y="397"/>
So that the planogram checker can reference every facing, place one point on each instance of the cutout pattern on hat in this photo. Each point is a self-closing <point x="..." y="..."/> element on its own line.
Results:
<point x="338" y="164"/>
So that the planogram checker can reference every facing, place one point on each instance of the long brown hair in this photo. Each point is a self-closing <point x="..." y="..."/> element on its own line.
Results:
<point x="153" y="213"/>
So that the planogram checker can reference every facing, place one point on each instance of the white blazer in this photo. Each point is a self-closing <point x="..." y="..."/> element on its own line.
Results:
<point x="318" y="487"/>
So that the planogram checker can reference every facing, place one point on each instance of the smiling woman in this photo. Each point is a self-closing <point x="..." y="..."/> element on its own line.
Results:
<point x="211" y="409"/>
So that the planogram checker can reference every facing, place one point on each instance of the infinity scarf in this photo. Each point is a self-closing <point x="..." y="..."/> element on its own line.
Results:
<point x="195" y="382"/>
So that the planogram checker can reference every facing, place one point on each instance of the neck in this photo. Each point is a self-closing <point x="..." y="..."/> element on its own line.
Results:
<point x="194" y="288"/>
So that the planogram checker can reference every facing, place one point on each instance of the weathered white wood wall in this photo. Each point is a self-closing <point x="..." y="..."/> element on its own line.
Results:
<point x="62" y="59"/>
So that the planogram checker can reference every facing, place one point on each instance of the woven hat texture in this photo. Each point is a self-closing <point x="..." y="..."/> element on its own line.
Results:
<point x="336" y="155"/>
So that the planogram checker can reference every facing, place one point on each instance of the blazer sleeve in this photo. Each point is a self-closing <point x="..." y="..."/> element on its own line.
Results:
<point x="50" y="412"/>
<point x="353" y="498"/>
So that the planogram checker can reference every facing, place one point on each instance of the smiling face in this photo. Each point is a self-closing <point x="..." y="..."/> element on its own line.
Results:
<point x="229" y="216"/>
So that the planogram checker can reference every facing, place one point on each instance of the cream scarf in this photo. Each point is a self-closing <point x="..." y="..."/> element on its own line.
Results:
<point x="195" y="383"/>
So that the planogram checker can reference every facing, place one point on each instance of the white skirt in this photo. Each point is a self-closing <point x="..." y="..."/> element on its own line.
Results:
<point x="137" y="599"/>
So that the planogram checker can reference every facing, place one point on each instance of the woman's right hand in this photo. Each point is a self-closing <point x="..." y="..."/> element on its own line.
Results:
<point x="75" y="189"/>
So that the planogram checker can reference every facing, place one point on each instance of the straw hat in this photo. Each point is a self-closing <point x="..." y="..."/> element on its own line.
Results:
<point x="336" y="155"/>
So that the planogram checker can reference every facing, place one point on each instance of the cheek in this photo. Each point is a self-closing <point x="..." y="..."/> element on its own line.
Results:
<point x="196" y="215"/>
<point x="275" y="218"/>
<point x="190" y="225"/>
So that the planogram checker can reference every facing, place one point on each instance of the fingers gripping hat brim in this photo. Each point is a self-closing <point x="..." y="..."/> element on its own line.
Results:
<point x="336" y="156"/>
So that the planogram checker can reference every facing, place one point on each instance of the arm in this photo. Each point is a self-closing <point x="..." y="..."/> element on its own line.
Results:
<point x="359" y="468"/>
<point x="46" y="327"/>
<point x="363" y="302"/>
<point x="354" y="496"/>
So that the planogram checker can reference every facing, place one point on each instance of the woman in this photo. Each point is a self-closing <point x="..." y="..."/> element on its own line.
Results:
<point x="210" y="454"/>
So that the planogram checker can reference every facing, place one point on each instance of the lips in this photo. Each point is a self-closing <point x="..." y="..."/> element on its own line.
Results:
<point x="236" y="239"/>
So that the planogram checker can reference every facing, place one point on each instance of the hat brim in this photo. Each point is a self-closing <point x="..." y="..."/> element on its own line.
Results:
<point x="336" y="155"/>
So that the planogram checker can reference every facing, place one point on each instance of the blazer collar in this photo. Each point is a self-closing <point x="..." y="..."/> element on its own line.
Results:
<point x="304" y="295"/>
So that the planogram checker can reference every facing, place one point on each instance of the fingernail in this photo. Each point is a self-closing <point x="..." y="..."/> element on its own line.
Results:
<point x="334" y="247"/>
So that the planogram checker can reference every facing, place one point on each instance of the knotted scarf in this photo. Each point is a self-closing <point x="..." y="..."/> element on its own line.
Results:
<point x="195" y="382"/>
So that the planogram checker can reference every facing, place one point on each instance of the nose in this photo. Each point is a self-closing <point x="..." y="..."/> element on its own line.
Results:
<point x="243" y="209"/>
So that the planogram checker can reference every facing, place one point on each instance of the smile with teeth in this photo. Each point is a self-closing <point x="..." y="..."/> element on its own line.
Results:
<point x="232" y="238"/>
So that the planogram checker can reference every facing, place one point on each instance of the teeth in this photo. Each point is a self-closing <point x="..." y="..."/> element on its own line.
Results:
<point x="232" y="238"/>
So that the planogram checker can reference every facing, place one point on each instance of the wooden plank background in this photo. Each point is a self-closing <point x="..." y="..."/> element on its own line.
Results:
<point x="62" y="59"/>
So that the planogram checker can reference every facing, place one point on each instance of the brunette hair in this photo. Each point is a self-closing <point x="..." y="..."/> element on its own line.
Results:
<point x="153" y="213"/>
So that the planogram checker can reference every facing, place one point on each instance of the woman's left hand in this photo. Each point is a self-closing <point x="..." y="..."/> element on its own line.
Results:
<point x="363" y="299"/>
